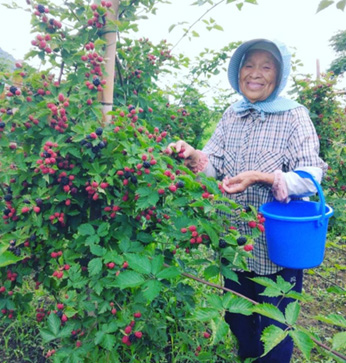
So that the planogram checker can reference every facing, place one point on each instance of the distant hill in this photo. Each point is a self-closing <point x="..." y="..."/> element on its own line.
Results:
<point x="7" y="61"/>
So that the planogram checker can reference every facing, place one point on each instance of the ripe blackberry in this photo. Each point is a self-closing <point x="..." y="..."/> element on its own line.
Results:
<point x="96" y="82"/>
<point x="222" y="243"/>
<point x="127" y="174"/>
<point x="241" y="241"/>
<point x="133" y="179"/>
<point x="2" y="125"/>
<point x="180" y="184"/>
<point x="64" y="180"/>
<point x="13" y="89"/>
<point x="41" y="8"/>
<point x="101" y="145"/>
<point x="132" y="338"/>
<point x="8" y="197"/>
<point x="99" y="131"/>
<point x="146" y="165"/>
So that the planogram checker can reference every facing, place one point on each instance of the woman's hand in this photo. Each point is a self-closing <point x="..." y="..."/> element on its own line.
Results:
<point x="242" y="181"/>
<point x="185" y="151"/>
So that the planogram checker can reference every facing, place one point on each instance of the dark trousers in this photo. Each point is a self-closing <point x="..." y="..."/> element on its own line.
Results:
<point x="247" y="329"/>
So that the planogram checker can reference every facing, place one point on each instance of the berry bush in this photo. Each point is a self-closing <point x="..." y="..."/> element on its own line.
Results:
<point x="115" y="248"/>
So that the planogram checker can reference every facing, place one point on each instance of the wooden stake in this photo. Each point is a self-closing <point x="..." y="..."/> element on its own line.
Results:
<point x="111" y="38"/>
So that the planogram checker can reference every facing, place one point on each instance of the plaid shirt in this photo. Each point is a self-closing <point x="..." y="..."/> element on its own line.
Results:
<point x="246" y="141"/>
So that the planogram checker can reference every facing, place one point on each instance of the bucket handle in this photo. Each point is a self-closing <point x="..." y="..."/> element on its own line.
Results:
<point x="307" y="175"/>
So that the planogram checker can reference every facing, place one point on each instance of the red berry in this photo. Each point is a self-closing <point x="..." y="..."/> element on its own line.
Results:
<point x="138" y="334"/>
<point x="252" y="224"/>
<point x="128" y="329"/>
<point x="206" y="335"/>
<point x="137" y="315"/>
<point x="248" y="248"/>
<point x="183" y="230"/>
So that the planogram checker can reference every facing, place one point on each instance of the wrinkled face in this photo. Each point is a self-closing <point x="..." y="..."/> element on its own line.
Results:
<point x="258" y="75"/>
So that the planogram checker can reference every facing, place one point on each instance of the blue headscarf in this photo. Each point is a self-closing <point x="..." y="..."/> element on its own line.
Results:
<point x="273" y="103"/>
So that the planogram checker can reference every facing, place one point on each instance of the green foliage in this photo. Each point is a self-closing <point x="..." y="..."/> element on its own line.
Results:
<point x="112" y="232"/>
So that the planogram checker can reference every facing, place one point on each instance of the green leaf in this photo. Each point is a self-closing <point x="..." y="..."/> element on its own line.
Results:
<point x="211" y="233"/>
<point x="53" y="324"/>
<point x="238" y="305"/>
<point x="168" y="273"/>
<point x="292" y="312"/>
<point x="228" y="273"/>
<point x="205" y="314"/>
<point x="157" y="264"/>
<point x="129" y="279"/>
<point x="339" y="340"/>
<point x="98" y="250"/>
<point x="103" y="230"/>
<point x="341" y="5"/>
<point x="269" y="311"/>
<point x="86" y="229"/>
<point x="218" y="27"/>
<point x="334" y="319"/>
<point x="303" y="342"/>
<point x="91" y="240"/>
<point x="99" y="336"/>
<point x="95" y="266"/>
<point x="220" y="329"/>
<point x="151" y="289"/>
<point x="138" y="263"/>
<point x="47" y="335"/>
<point x="108" y="341"/>
<point x="271" y="337"/>
<point x="195" y="34"/>
<point x="324" y="4"/>
<point x="8" y="258"/>
<point x="211" y="271"/>
<point x="224" y="208"/>
<point x="215" y="301"/>
<point x="65" y="332"/>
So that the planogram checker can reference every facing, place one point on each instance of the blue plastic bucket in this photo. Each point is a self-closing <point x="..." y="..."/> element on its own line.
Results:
<point x="296" y="231"/>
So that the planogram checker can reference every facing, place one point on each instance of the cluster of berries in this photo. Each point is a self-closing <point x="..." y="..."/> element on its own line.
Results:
<point x="93" y="188"/>
<point x="32" y="121"/>
<point x="49" y="158"/>
<point x="42" y="42"/>
<point x="40" y="314"/>
<point x="111" y="211"/>
<point x="16" y="250"/>
<point x="99" y="14"/>
<point x="196" y="237"/>
<point x="90" y="143"/>
<point x="149" y="214"/>
<point x="130" y="335"/>
<point x="259" y="223"/>
<point x="9" y="312"/>
<point x="66" y="181"/>
<point x="58" y="217"/>
<point x="59" y="119"/>
<point x="41" y="12"/>
<point x="9" y="211"/>
<point x="13" y="91"/>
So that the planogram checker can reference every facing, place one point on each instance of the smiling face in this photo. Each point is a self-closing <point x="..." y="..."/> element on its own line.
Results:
<point x="258" y="75"/>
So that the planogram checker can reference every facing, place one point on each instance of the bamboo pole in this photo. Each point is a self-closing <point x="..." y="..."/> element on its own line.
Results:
<point x="110" y="37"/>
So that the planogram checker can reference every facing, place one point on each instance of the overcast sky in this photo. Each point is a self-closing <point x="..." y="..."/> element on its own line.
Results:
<point x="294" y="22"/>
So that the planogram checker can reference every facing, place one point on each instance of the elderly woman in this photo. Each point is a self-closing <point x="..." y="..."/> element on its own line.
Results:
<point x="256" y="146"/>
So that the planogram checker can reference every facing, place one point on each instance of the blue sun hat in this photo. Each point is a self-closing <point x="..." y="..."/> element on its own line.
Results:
<point x="273" y="103"/>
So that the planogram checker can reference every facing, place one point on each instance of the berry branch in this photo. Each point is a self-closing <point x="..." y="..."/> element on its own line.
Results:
<point x="216" y="286"/>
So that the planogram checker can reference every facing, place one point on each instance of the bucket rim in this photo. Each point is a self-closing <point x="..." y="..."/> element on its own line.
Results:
<point x="329" y="213"/>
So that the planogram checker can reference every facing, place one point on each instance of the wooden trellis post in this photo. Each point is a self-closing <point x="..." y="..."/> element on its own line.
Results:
<point x="111" y="38"/>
